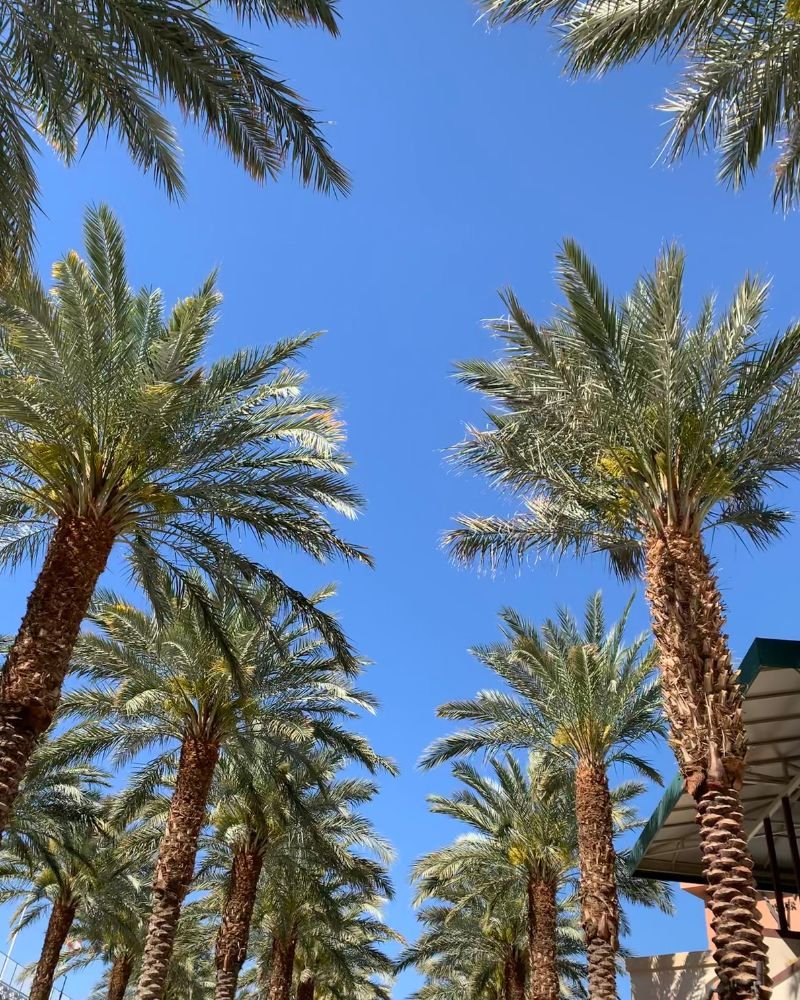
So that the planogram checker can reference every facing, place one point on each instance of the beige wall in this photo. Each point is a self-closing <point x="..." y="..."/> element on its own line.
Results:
<point x="683" y="976"/>
<point x="687" y="975"/>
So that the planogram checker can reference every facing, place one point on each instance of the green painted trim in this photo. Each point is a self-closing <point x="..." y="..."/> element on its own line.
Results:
<point x="763" y="654"/>
<point x="668" y="802"/>
<point x="769" y="654"/>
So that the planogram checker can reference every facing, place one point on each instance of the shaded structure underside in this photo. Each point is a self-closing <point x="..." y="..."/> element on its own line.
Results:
<point x="669" y="846"/>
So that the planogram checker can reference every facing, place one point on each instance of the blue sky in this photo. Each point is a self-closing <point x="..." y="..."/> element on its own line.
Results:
<point x="472" y="157"/>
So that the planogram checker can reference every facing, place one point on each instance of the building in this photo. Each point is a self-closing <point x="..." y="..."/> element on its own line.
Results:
<point x="668" y="847"/>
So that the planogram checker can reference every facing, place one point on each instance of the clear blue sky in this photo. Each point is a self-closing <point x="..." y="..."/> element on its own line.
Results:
<point x="471" y="157"/>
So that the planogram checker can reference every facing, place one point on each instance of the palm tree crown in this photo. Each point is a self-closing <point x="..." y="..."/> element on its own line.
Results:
<point x="274" y="689"/>
<point x="578" y="694"/>
<point x="618" y="419"/>
<point x="109" y="412"/>
<point x="738" y="87"/>
<point x="79" y="68"/>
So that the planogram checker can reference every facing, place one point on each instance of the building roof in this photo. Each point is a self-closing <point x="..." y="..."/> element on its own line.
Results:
<point x="669" y="845"/>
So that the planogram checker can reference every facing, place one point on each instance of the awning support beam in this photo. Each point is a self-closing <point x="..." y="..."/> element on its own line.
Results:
<point x="783" y="923"/>
<point x="788" y="819"/>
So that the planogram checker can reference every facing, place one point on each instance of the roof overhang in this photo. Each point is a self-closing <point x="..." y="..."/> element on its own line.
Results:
<point x="669" y="845"/>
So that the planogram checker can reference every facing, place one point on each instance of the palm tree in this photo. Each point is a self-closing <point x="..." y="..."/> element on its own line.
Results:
<point x="113" y="930"/>
<point x="255" y="809"/>
<point x="325" y="873"/>
<point x="113" y="935"/>
<point x="251" y="810"/>
<point x="738" y="87"/>
<point x="340" y="954"/>
<point x="586" y="701"/>
<point x="522" y="852"/>
<point x="113" y="430"/>
<point x="524" y="830"/>
<point x="58" y="858"/>
<point x="475" y="948"/>
<point x="624" y="430"/>
<point x="73" y="70"/>
<point x="191" y="973"/>
<point x="170" y="684"/>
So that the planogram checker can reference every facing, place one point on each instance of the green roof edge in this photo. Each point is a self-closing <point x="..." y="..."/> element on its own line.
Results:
<point x="772" y="654"/>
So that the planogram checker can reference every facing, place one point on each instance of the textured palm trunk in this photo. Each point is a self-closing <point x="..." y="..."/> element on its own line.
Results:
<point x="598" y="884"/>
<point x="176" y="857"/>
<point x="37" y="662"/>
<point x="120" y="976"/>
<point x="280" y="978"/>
<point x="237" y="913"/>
<point x="306" y="984"/>
<point x="58" y="926"/>
<point x="703" y="702"/>
<point x="513" y="976"/>
<point x="542" y="961"/>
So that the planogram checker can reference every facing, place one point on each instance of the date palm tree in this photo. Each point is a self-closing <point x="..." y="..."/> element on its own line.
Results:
<point x="586" y="702"/>
<point x="169" y="684"/>
<point x="340" y="954"/>
<point x="114" y="430"/>
<point x="252" y="808"/>
<point x="524" y="830"/>
<point x="113" y="932"/>
<point x="73" y="70"/>
<point x="625" y="430"/>
<point x="256" y="809"/>
<point x="524" y="846"/>
<point x="475" y="947"/>
<point x="324" y="873"/>
<point x="738" y="87"/>
<point x="57" y="857"/>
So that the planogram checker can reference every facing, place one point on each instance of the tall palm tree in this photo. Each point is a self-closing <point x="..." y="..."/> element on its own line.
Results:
<point x="479" y="948"/>
<point x="341" y="956"/>
<point x="169" y="684"/>
<point x="624" y="430"/>
<point x="586" y="702"/>
<point x="113" y="932"/>
<point x="474" y="946"/>
<point x="59" y="862"/>
<point x="738" y="87"/>
<point x="524" y="830"/>
<point x="114" y="430"/>
<point x="322" y="873"/>
<point x="256" y="809"/>
<point x="252" y="808"/>
<point x="523" y="852"/>
<point x="71" y="70"/>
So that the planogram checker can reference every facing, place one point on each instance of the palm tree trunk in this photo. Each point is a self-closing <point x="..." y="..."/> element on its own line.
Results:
<point x="280" y="979"/>
<point x="175" y="865"/>
<point x="234" y="931"/>
<point x="598" y="885"/>
<point x="306" y="985"/>
<point x="513" y="977"/>
<point x="58" y="926"/>
<point x="120" y="976"/>
<point x="543" y="974"/>
<point x="703" y="702"/>
<point x="38" y="659"/>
